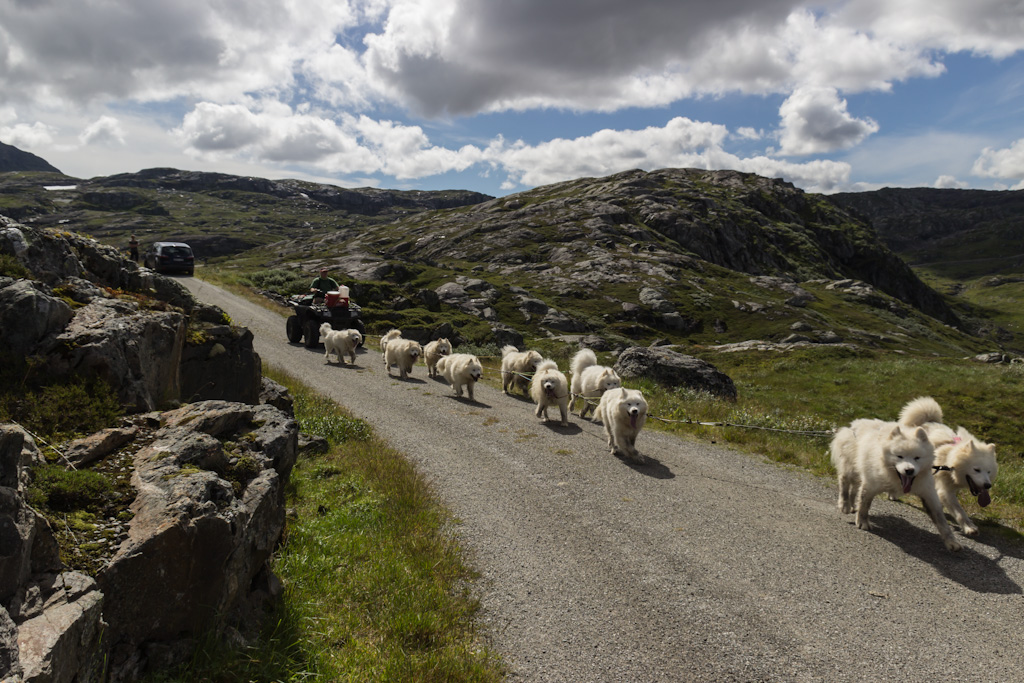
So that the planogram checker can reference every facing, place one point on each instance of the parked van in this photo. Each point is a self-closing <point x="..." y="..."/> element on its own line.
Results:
<point x="170" y="257"/>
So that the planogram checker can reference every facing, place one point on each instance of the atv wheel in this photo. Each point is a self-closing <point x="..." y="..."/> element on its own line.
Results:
<point x="312" y="334"/>
<point x="294" y="329"/>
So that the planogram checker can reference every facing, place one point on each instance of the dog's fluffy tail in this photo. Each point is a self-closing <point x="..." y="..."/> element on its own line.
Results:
<point x="505" y="350"/>
<point x="919" y="411"/>
<point x="583" y="359"/>
<point x="547" y="364"/>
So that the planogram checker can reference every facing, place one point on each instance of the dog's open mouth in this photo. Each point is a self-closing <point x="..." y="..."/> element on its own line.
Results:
<point x="906" y="480"/>
<point x="981" y="494"/>
<point x="632" y="419"/>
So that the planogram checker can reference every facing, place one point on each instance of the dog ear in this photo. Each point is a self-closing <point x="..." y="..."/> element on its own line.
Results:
<point x="920" y="434"/>
<point x="896" y="432"/>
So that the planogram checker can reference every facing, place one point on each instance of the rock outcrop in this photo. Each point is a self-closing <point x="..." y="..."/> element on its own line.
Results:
<point x="208" y="514"/>
<point x="90" y="312"/>
<point x="209" y="476"/>
<point x="672" y="368"/>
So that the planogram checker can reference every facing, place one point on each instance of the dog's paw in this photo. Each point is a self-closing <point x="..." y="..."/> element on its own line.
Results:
<point x="970" y="530"/>
<point x="864" y="525"/>
<point x="953" y="544"/>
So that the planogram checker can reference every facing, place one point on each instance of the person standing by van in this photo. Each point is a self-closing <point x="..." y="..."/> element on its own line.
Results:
<point x="133" y="249"/>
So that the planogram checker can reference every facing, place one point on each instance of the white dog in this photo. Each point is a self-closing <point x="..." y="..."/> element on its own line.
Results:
<point x="549" y="387"/>
<point x="461" y="370"/>
<point x="402" y="352"/>
<point x="623" y="412"/>
<point x="873" y="457"/>
<point x="590" y="380"/>
<point x="340" y="342"/>
<point x="391" y="334"/>
<point x="963" y="461"/>
<point x="433" y="352"/>
<point x="517" y="367"/>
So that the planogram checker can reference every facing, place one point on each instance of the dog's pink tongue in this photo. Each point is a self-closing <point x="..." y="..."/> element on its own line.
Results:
<point x="632" y="420"/>
<point x="984" y="498"/>
<point x="907" y="482"/>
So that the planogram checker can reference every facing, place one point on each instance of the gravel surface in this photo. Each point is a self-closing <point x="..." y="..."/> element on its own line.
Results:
<point x="704" y="564"/>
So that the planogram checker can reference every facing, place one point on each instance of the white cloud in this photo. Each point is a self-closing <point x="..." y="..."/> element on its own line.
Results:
<point x="352" y="145"/>
<point x="150" y="50"/>
<point x="105" y="130"/>
<point x="986" y="27"/>
<point x="1001" y="163"/>
<point x="815" y="120"/>
<point x="948" y="182"/>
<point x="27" y="136"/>
<point x="680" y="143"/>
<point x="323" y="85"/>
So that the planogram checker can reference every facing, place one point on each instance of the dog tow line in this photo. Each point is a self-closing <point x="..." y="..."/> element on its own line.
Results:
<point x="805" y="432"/>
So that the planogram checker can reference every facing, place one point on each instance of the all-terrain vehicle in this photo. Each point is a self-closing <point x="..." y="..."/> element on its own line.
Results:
<point x="309" y="316"/>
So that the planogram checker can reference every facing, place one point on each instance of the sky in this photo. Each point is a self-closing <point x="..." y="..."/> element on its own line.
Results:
<point x="500" y="96"/>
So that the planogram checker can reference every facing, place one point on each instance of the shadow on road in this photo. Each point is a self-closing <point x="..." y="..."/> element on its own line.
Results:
<point x="555" y="426"/>
<point x="970" y="569"/>
<point x="465" y="399"/>
<point x="651" y="467"/>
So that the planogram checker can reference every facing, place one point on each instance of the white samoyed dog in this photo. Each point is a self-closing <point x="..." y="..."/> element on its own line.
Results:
<point x="433" y="352"/>
<point x="873" y="457"/>
<point x="340" y="342"/>
<point x="517" y="367"/>
<point x="402" y="352"/>
<point x="590" y="380"/>
<point x="393" y="333"/>
<point x="623" y="412"/>
<point x="461" y="370"/>
<point x="963" y="461"/>
<point x="549" y="387"/>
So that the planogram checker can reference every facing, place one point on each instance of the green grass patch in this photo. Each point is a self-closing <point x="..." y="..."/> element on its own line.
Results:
<point x="823" y="389"/>
<point x="375" y="586"/>
<point x="67" y="490"/>
<point x="54" y="408"/>
<point x="12" y="267"/>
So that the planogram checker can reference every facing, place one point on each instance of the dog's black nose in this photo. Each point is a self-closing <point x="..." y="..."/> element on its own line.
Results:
<point x="988" y="484"/>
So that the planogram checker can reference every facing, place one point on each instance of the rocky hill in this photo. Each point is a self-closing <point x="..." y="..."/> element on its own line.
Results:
<point x="683" y="255"/>
<point x="14" y="159"/>
<point x="965" y="233"/>
<point x="217" y="214"/>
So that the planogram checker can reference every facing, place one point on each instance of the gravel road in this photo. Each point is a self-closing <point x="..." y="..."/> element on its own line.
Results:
<point x="702" y="565"/>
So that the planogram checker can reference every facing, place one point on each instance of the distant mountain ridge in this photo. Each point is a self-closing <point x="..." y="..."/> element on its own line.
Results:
<point x="14" y="159"/>
<point x="937" y="226"/>
<point x="709" y="256"/>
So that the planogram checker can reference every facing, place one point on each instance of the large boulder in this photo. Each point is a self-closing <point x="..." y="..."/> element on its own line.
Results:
<point x="671" y="368"/>
<point x="27" y="546"/>
<point x="209" y="513"/>
<point x="49" y="619"/>
<point x="60" y="629"/>
<point x="28" y="316"/>
<point x="137" y="352"/>
<point x="218" y="362"/>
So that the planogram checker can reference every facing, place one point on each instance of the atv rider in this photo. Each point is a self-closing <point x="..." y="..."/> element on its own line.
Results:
<point x="321" y="285"/>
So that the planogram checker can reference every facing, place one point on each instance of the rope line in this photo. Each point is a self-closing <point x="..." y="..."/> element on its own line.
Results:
<point x="591" y="401"/>
<point x="806" y="432"/>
